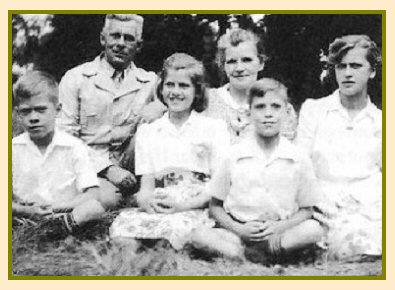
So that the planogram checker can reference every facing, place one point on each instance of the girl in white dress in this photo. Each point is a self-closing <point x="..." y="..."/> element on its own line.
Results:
<point x="342" y="135"/>
<point x="175" y="157"/>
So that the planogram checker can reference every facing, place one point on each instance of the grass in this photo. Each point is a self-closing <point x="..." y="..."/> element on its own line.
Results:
<point x="92" y="253"/>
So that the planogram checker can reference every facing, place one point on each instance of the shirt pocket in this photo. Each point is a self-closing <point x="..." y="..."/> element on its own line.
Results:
<point x="94" y="108"/>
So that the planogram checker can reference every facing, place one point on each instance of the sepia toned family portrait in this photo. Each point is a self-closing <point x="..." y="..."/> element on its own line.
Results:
<point x="197" y="145"/>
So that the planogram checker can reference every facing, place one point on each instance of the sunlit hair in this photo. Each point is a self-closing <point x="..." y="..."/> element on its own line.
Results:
<point x="139" y="20"/>
<point x="340" y="46"/>
<point x="35" y="83"/>
<point x="261" y="87"/>
<point x="195" y="71"/>
<point x="233" y="38"/>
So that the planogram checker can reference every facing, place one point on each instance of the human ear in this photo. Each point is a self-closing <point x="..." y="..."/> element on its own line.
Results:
<point x="102" y="38"/>
<point x="372" y="74"/>
<point x="58" y="108"/>
<point x="139" y="45"/>
<point x="261" y="63"/>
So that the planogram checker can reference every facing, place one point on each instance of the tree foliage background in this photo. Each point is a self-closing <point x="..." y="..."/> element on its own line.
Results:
<point x="295" y="44"/>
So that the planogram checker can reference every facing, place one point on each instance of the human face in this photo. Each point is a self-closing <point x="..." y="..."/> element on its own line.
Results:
<point x="242" y="64"/>
<point x="178" y="91"/>
<point x="267" y="114"/>
<point x="38" y="115"/>
<point x="120" y="42"/>
<point x="353" y="73"/>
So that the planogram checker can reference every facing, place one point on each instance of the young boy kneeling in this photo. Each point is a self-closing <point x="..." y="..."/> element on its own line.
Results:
<point x="263" y="194"/>
<point x="51" y="170"/>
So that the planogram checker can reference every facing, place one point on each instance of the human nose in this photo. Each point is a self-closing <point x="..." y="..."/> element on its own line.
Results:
<point x="348" y="70"/>
<point x="33" y="117"/>
<point x="239" y="66"/>
<point x="175" y="91"/>
<point x="120" y="41"/>
<point x="268" y="112"/>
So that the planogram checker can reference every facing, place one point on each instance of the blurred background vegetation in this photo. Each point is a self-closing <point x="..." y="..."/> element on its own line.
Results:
<point x="296" y="44"/>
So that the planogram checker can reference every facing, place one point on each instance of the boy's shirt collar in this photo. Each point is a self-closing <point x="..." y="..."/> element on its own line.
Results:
<point x="249" y="148"/>
<point x="57" y="140"/>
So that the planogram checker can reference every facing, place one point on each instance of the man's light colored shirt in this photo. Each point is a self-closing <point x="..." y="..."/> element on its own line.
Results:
<point x="255" y="187"/>
<point x="63" y="172"/>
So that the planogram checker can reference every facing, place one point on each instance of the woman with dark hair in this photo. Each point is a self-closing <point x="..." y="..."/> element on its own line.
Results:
<point x="342" y="135"/>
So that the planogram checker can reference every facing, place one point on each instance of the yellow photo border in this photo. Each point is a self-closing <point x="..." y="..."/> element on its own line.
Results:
<point x="142" y="12"/>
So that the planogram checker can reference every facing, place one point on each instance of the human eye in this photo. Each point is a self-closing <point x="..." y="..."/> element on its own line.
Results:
<point x="129" y="38"/>
<point x="259" y="106"/>
<point x="246" y="59"/>
<point x="24" y="111"/>
<point x="185" y="85"/>
<point x="340" y="66"/>
<point x="355" y="65"/>
<point x="169" y="84"/>
<point x="115" y="35"/>
<point x="41" y="109"/>
<point x="230" y="61"/>
<point x="276" y="106"/>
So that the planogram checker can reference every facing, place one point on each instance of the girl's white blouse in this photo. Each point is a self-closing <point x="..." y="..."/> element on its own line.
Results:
<point x="199" y="145"/>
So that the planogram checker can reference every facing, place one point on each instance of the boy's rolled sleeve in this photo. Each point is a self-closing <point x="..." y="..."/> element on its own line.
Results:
<point x="308" y="192"/>
<point x="84" y="169"/>
<point x="219" y="185"/>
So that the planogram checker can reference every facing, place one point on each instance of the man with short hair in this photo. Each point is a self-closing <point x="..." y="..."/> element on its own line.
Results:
<point x="104" y="101"/>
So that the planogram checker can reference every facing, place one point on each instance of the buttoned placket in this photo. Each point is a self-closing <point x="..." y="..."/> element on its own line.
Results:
<point x="117" y="94"/>
<point x="42" y="170"/>
<point x="351" y="123"/>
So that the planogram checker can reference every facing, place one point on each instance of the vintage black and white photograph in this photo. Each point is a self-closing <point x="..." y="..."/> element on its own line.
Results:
<point x="206" y="145"/>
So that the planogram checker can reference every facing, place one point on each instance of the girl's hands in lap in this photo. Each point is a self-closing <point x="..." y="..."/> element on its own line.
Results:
<point x="164" y="203"/>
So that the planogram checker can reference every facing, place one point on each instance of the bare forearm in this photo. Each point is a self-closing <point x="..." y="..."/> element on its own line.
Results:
<point x="299" y="217"/>
<point x="223" y="218"/>
<point x="199" y="201"/>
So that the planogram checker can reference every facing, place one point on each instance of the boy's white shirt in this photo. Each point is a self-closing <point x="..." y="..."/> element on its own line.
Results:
<point x="64" y="171"/>
<point x="254" y="187"/>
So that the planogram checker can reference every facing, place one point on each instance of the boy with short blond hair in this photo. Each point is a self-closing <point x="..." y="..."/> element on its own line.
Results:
<point x="263" y="195"/>
<point x="51" y="170"/>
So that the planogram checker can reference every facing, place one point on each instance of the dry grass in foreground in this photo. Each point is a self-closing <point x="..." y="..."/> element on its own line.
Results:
<point x="92" y="254"/>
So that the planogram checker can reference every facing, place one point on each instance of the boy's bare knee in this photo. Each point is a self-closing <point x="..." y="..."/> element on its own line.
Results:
<point x="109" y="194"/>
<point x="89" y="210"/>
<point x="229" y="236"/>
<point x="199" y="236"/>
<point x="313" y="229"/>
<point x="217" y="240"/>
